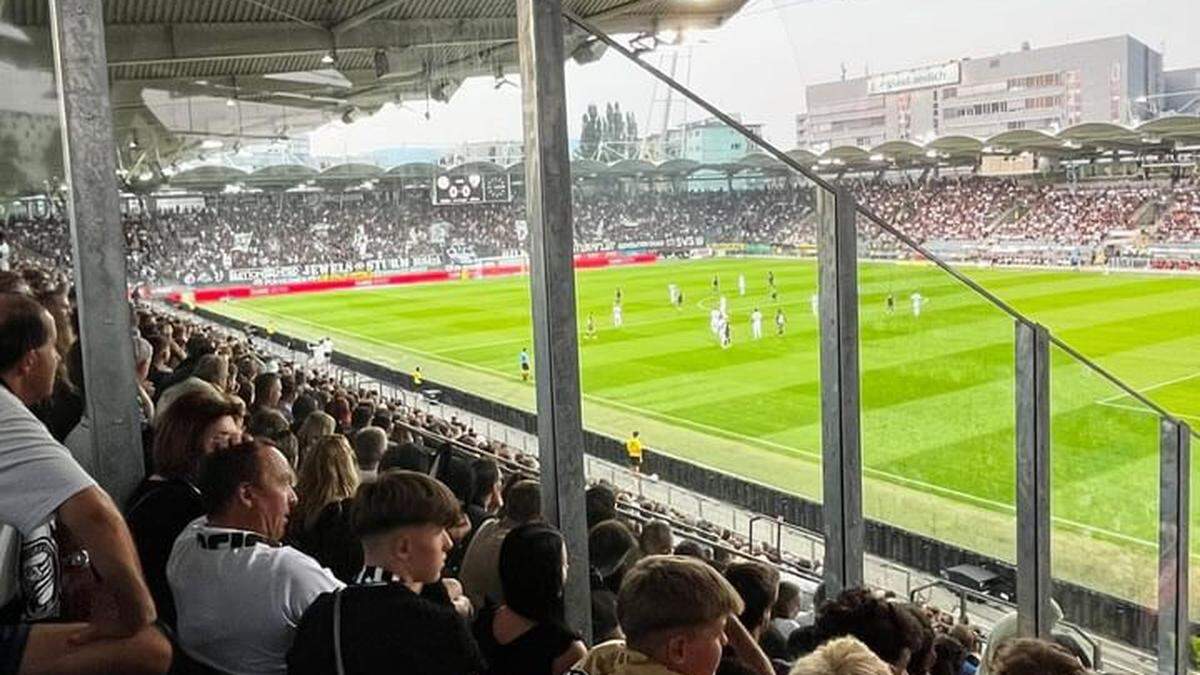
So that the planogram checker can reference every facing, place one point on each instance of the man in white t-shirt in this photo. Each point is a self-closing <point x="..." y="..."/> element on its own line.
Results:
<point x="239" y="594"/>
<point x="40" y="485"/>
<point x="5" y="254"/>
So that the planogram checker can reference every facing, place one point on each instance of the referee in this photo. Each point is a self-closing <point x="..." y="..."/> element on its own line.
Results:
<point x="633" y="448"/>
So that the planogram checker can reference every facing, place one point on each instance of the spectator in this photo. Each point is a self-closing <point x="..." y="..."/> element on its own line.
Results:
<point x="787" y="608"/>
<point x="950" y="656"/>
<point x="758" y="586"/>
<point x="398" y="612"/>
<point x="271" y="426"/>
<point x="163" y="504"/>
<point x="301" y="409"/>
<point x="656" y="538"/>
<point x="480" y="574"/>
<point x="888" y="628"/>
<point x="611" y="549"/>
<point x="369" y="445"/>
<point x="1006" y="629"/>
<point x="841" y="656"/>
<point x="1027" y="656"/>
<point x="40" y="482"/>
<point x="966" y="637"/>
<point x="601" y="504"/>
<point x="676" y="613"/>
<point x="320" y="523"/>
<point x="316" y="426"/>
<point x="268" y="390"/>
<point x="526" y="634"/>
<point x="239" y="594"/>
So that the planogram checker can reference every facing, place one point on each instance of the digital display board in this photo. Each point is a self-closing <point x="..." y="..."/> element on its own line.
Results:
<point x="471" y="188"/>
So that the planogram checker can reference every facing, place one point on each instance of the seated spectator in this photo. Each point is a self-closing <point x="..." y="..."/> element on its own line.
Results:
<point x="301" y="409"/>
<point x="398" y="613"/>
<point x="923" y="655"/>
<point x="656" y="538"/>
<point x="1006" y="629"/>
<point x="600" y="502"/>
<point x="611" y="549"/>
<point x="694" y="549"/>
<point x="268" y="389"/>
<point x="887" y="627"/>
<point x="41" y="483"/>
<point x="787" y="607"/>
<point x="369" y="445"/>
<point x="272" y="426"/>
<point x="965" y="635"/>
<point x="841" y="656"/>
<point x="406" y="457"/>
<point x="480" y="575"/>
<point x="239" y="594"/>
<point x="1027" y="656"/>
<point x="758" y="586"/>
<point x="676" y="613"/>
<point x="950" y="656"/>
<point x="317" y="425"/>
<point x="320" y="523"/>
<point x="210" y="374"/>
<point x="163" y="504"/>
<point x="526" y="635"/>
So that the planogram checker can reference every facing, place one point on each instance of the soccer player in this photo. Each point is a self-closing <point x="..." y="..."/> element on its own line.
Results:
<point x="617" y="299"/>
<point x="716" y="284"/>
<point x="671" y="291"/>
<point x="780" y="321"/>
<point x="633" y="450"/>
<point x="591" y="326"/>
<point x="770" y="278"/>
<point x="741" y="284"/>
<point x="726" y="335"/>
<point x="724" y="305"/>
<point x="714" y="321"/>
<point x="679" y="298"/>
<point x="756" y="324"/>
<point x="523" y="359"/>
<point x="815" y="301"/>
<point x="774" y="294"/>
<point x="917" y="301"/>
<point x="890" y="303"/>
<point x="617" y="314"/>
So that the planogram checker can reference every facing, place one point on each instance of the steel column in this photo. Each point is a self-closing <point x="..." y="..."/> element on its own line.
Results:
<point x="841" y="452"/>
<point x="98" y="243"/>
<point x="552" y="285"/>
<point x="1033" y="479"/>
<point x="1174" y="494"/>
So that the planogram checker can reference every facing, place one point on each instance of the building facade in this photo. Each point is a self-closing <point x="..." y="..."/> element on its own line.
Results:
<point x="1048" y="89"/>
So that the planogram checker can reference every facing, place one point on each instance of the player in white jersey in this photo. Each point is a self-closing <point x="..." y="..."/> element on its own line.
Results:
<point x="671" y="291"/>
<point x="917" y="301"/>
<point x="616" y="315"/>
<point x="714" y="321"/>
<point x="756" y="324"/>
<point x="724" y="305"/>
<point x="741" y="284"/>
<point x="815" y="301"/>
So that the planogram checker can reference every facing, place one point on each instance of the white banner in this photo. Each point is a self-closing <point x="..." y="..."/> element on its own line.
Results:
<point x="915" y="78"/>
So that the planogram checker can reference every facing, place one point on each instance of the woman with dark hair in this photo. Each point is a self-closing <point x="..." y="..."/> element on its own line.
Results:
<point x="164" y="503"/>
<point x="889" y="628"/>
<point x="526" y="635"/>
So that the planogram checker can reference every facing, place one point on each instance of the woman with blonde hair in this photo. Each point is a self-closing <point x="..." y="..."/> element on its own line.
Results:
<point x="320" y="521"/>
<point x="315" y="427"/>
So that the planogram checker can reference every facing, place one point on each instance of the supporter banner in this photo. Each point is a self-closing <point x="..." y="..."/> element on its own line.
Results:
<point x="318" y="270"/>
<point x="641" y="245"/>
<point x="242" y="240"/>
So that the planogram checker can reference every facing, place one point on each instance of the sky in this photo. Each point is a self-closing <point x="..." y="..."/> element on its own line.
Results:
<point x="758" y="63"/>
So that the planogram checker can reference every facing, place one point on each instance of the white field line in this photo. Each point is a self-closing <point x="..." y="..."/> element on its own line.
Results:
<point x="928" y="487"/>
<point x="1152" y="387"/>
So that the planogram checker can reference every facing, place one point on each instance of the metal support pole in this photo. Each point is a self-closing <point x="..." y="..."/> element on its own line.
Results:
<point x="98" y="244"/>
<point x="1174" y="633"/>
<point x="1033" y="479"/>
<point x="552" y="285"/>
<point x="841" y="451"/>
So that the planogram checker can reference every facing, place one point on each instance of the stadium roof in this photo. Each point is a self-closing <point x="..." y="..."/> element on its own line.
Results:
<point x="182" y="71"/>
<point x="1081" y="141"/>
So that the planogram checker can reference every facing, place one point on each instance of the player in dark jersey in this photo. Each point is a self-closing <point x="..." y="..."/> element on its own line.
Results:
<point x="891" y="303"/>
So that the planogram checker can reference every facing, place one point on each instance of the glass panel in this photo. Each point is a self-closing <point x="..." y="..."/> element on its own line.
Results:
<point x="1104" y="500"/>
<point x="937" y="401"/>
<point x="696" y="283"/>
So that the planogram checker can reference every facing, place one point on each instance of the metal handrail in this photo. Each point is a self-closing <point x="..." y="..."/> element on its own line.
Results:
<point x="870" y="215"/>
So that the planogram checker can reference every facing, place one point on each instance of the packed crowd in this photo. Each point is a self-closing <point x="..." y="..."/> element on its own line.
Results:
<point x="200" y="246"/>
<point x="289" y="524"/>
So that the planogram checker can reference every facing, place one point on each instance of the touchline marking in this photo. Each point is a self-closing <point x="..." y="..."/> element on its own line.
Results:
<point x="950" y="492"/>
<point x="1152" y="387"/>
<point x="1147" y="411"/>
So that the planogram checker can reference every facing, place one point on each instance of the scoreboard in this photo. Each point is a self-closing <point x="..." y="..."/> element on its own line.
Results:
<point x="471" y="188"/>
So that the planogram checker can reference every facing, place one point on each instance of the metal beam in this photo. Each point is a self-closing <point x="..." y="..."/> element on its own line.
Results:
<point x="98" y="244"/>
<point x="552" y="286"/>
<point x="841" y="450"/>
<point x="1174" y="625"/>
<point x="366" y="15"/>
<point x="1033" y="479"/>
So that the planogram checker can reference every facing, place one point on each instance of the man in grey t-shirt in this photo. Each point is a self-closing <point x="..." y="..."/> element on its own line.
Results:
<point x="40" y="481"/>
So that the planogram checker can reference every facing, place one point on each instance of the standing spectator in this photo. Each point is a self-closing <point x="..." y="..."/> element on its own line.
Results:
<point x="888" y="628"/>
<point x="656" y="538"/>
<point x="268" y="389"/>
<point x="369" y="445"/>
<point x="758" y="586"/>
<point x="320" y="523"/>
<point x="841" y="656"/>
<point x="40" y="483"/>
<point x="317" y="425"/>
<point x="398" y="612"/>
<point x="1027" y="656"/>
<point x="167" y="500"/>
<point x="239" y="594"/>
<point x="526" y="634"/>
<point x="480" y="574"/>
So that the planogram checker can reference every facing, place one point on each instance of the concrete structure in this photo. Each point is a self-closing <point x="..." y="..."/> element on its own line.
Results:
<point x="1182" y="91"/>
<point x="1048" y="89"/>
<point x="707" y="142"/>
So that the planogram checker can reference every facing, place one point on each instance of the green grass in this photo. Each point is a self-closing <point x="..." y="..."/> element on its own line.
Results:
<point x="937" y="390"/>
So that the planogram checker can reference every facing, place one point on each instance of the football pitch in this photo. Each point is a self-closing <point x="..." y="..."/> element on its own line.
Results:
<point x="937" y="389"/>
